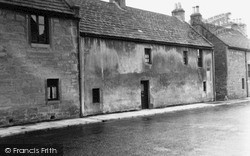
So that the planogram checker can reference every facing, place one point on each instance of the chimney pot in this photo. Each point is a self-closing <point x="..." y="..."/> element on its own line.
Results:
<point x="176" y="6"/>
<point x="178" y="12"/>
<point x="193" y="10"/>
<point x="196" y="17"/>
<point x="179" y="4"/>
<point x="197" y="9"/>
<point x="121" y="3"/>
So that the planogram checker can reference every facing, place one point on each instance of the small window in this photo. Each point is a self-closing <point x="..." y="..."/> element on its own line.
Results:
<point x="204" y="86"/>
<point x="39" y="29"/>
<point x="200" y="58"/>
<point x="148" y="55"/>
<point x="248" y="70"/>
<point x="243" y="83"/>
<point x="52" y="89"/>
<point x="96" y="95"/>
<point x="185" y="57"/>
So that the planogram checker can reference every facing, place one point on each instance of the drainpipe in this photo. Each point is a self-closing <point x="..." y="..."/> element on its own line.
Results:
<point x="77" y="15"/>
<point x="246" y="72"/>
<point x="213" y="72"/>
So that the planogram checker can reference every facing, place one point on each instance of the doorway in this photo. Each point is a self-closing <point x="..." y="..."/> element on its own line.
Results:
<point x="145" y="100"/>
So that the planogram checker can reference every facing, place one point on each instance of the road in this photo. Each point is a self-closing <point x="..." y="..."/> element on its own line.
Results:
<point x="216" y="131"/>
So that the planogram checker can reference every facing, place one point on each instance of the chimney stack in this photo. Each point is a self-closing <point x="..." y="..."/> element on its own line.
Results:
<point x="120" y="3"/>
<point x="196" y="17"/>
<point x="178" y="12"/>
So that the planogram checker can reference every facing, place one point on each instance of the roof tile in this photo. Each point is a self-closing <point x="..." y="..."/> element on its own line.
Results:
<point x="104" y="18"/>
<point x="46" y="5"/>
<point x="231" y="37"/>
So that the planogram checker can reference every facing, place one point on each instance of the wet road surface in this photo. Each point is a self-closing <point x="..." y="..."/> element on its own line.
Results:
<point x="218" y="131"/>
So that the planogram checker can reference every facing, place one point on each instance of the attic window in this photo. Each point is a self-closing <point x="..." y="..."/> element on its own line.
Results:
<point x="39" y="29"/>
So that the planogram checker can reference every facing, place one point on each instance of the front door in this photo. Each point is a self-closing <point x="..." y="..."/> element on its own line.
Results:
<point x="145" y="94"/>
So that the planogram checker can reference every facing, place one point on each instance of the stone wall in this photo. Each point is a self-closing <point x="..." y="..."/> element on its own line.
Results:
<point x="236" y="73"/>
<point x="24" y="68"/>
<point x="220" y="57"/>
<point x="117" y="68"/>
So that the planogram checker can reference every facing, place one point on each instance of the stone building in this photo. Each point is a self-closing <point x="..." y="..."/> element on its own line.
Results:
<point x="226" y="21"/>
<point x="39" y="76"/>
<point x="134" y="59"/>
<point x="232" y="58"/>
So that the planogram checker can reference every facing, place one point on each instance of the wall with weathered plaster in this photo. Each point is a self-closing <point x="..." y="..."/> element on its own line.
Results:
<point x="24" y="69"/>
<point x="247" y="74"/>
<point x="220" y="58"/>
<point x="117" y="68"/>
<point x="236" y="72"/>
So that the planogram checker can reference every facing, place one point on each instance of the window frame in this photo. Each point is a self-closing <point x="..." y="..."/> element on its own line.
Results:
<point x="185" y="57"/>
<point x="243" y="83"/>
<point x="200" y="58"/>
<point x="50" y="85"/>
<point x="46" y="26"/>
<point x="205" y="86"/>
<point x="148" y="52"/>
<point x="248" y="66"/>
<point x="96" y="92"/>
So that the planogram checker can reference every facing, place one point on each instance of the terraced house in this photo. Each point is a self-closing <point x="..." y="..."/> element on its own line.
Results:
<point x="38" y="61"/>
<point x="59" y="61"/>
<point x="232" y="58"/>
<point x="135" y="59"/>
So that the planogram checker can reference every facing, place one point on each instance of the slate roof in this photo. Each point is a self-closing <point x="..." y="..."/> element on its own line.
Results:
<point x="104" y="18"/>
<point x="230" y="37"/>
<point x="47" y="5"/>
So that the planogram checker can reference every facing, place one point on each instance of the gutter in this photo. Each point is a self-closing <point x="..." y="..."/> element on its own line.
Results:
<point x="144" y="41"/>
<point x="34" y="10"/>
<point x="237" y="48"/>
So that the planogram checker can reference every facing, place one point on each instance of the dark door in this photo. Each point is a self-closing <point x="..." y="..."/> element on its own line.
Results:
<point x="145" y="94"/>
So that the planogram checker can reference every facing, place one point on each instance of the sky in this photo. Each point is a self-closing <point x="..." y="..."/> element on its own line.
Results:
<point x="208" y="8"/>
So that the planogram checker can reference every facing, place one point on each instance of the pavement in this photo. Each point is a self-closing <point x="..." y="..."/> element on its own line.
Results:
<point x="23" y="129"/>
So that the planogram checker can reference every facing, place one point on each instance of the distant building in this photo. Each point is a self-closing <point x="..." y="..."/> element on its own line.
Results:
<point x="232" y="56"/>
<point x="134" y="59"/>
<point x="224" y="20"/>
<point x="38" y="61"/>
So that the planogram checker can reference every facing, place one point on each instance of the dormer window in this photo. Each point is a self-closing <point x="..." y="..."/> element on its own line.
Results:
<point x="39" y="29"/>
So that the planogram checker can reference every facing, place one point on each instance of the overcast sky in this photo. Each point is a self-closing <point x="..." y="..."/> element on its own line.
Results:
<point x="208" y="8"/>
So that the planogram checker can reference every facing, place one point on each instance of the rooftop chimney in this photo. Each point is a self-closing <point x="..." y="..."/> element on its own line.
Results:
<point x="178" y="12"/>
<point x="120" y="3"/>
<point x="196" y="17"/>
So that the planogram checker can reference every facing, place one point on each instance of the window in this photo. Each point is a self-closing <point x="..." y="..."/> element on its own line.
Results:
<point x="185" y="57"/>
<point x="243" y="83"/>
<point x="96" y="95"/>
<point x="52" y="89"/>
<point x="148" y="55"/>
<point x="39" y="29"/>
<point x="248" y="70"/>
<point x="204" y="86"/>
<point x="200" y="58"/>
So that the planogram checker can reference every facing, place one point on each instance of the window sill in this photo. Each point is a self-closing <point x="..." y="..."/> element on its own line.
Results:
<point x="53" y="102"/>
<point x="38" y="45"/>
